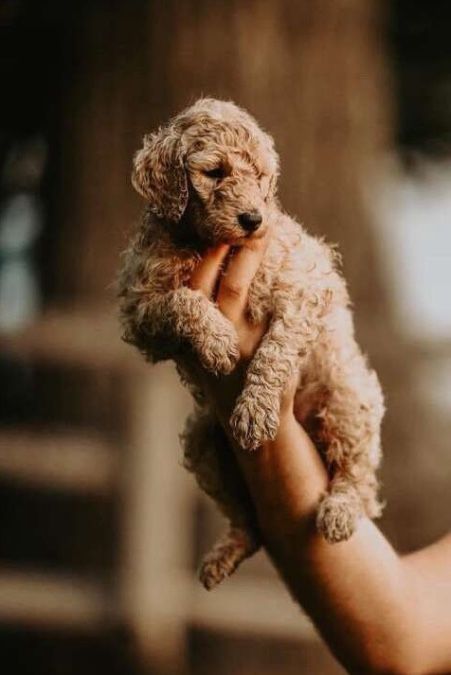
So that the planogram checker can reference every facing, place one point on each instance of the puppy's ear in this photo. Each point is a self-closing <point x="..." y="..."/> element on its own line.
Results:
<point x="159" y="174"/>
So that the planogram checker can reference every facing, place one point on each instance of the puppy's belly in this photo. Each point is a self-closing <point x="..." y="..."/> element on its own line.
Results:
<point x="311" y="398"/>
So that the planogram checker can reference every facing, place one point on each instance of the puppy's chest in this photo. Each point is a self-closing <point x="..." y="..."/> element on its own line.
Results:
<point x="274" y="274"/>
<point x="261" y="294"/>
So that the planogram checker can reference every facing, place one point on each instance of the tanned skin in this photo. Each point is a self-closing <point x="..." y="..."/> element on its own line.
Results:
<point x="378" y="611"/>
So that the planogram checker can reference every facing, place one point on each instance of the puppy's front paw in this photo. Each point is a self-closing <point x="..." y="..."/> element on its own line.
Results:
<point x="254" y="421"/>
<point x="337" y="517"/>
<point x="219" y="353"/>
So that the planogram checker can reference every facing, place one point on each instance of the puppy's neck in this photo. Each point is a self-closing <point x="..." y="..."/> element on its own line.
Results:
<point x="184" y="236"/>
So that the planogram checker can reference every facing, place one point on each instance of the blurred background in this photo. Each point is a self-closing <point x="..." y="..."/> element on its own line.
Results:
<point x="101" y="530"/>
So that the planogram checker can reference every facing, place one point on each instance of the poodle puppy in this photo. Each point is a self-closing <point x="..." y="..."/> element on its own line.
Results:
<point x="210" y="177"/>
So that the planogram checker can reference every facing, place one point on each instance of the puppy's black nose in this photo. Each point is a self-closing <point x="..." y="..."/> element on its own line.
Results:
<point x="250" y="221"/>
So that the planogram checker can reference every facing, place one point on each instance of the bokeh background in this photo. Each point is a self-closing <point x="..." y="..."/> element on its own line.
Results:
<point x="100" y="528"/>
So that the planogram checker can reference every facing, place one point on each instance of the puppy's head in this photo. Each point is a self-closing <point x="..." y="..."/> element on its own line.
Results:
<point x="212" y="172"/>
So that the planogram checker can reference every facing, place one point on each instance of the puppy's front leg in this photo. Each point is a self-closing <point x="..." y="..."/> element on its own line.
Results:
<point x="255" y="417"/>
<point x="191" y="316"/>
<point x="295" y="325"/>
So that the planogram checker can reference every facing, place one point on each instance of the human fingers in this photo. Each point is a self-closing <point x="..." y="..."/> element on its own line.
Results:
<point x="289" y="403"/>
<point x="235" y="282"/>
<point x="205" y="276"/>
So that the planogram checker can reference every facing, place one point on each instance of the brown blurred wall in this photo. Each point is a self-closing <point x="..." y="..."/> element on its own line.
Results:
<point x="310" y="72"/>
<point x="316" y="75"/>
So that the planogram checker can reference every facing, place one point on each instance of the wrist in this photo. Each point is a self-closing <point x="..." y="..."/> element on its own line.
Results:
<point x="286" y="479"/>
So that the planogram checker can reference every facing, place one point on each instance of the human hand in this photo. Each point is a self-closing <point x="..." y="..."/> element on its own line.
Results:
<point x="227" y="282"/>
<point x="286" y="476"/>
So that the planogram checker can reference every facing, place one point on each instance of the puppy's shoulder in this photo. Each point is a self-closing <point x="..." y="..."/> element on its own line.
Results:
<point x="301" y="247"/>
<point x="154" y="259"/>
<point x="307" y="259"/>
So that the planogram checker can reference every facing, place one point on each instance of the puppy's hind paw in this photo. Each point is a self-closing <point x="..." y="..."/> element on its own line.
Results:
<point x="252" y="423"/>
<point x="337" y="517"/>
<point x="213" y="571"/>
<point x="234" y="546"/>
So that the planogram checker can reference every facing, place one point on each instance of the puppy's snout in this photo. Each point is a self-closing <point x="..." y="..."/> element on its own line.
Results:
<point x="250" y="221"/>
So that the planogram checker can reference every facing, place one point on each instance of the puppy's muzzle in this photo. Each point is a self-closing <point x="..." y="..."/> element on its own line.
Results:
<point x="250" y="221"/>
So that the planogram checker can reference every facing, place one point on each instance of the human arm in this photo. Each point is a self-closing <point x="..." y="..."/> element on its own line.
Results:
<point x="379" y="612"/>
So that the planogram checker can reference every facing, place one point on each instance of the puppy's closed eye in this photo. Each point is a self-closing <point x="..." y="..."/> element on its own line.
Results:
<point x="218" y="173"/>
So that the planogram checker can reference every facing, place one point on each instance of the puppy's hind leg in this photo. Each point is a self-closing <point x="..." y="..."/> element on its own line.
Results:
<point x="208" y="455"/>
<point x="351" y="432"/>
<point x="235" y="545"/>
<point x="339" y="511"/>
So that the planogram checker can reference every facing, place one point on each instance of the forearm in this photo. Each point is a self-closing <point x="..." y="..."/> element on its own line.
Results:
<point x="378" y="612"/>
<point x="357" y="591"/>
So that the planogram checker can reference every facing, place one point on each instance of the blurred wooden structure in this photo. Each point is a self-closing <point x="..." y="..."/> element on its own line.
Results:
<point x="312" y="74"/>
<point x="315" y="76"/>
